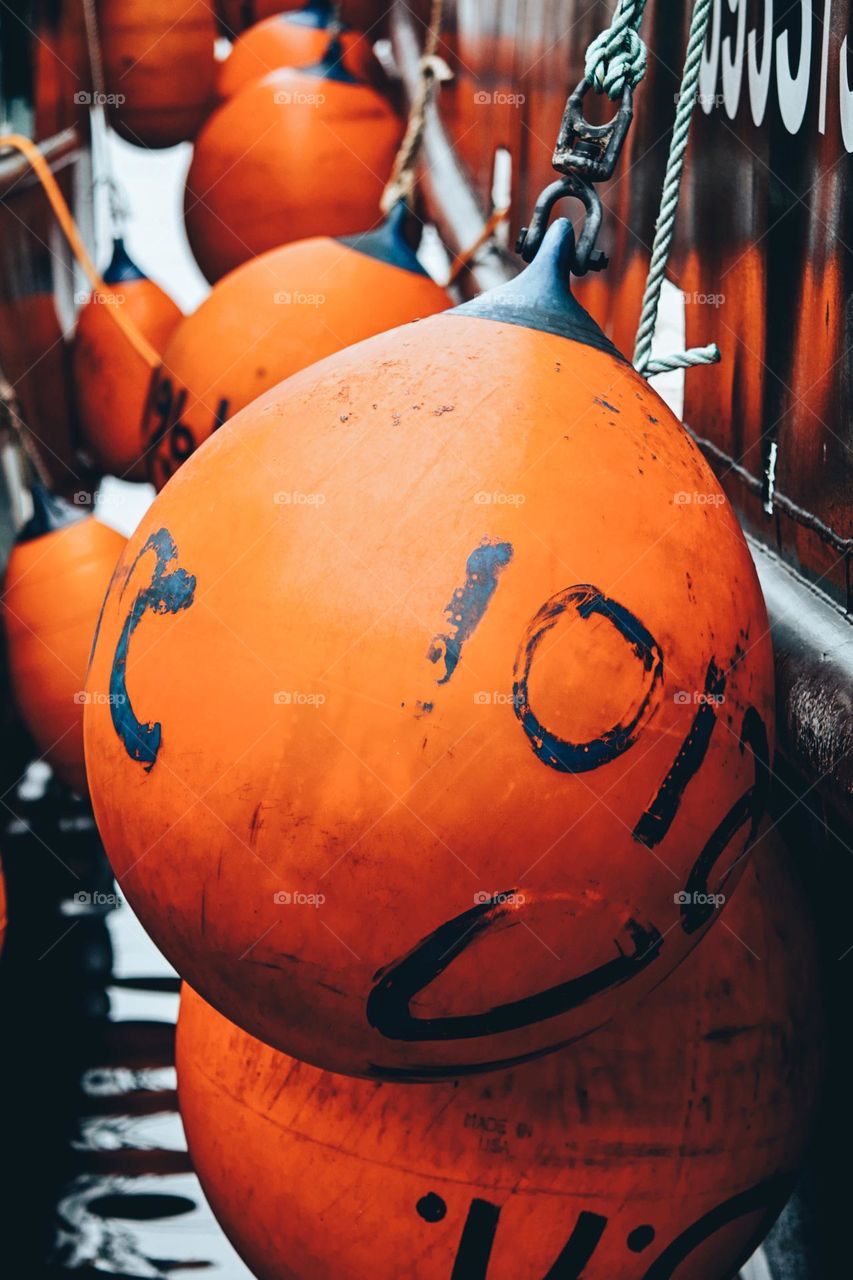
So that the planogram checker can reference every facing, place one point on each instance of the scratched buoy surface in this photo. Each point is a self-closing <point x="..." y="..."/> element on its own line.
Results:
<point x="56" y="576"/>
<point x="271" y="317"/>
<point x="292" y="155"/>
<point x="112" y="380"/>
<point x="661" y="1147"/>
<point x="159" y="68"/>
<point x="284" y="40"/>
<point x="443" y="695"/>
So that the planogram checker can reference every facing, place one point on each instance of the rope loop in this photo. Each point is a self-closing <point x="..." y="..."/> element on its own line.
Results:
<point x="665" y="226"/>
<point x="618" y="56"/>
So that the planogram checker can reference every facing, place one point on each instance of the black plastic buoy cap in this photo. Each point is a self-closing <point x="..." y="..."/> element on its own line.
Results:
<point x="122" y="268"/>
<point x="50" y="512"/>
<point x="317" y="14"/>
<point x="331" y="65"/>
<point x="388" y="242"/>
<point x="541" y="296"/>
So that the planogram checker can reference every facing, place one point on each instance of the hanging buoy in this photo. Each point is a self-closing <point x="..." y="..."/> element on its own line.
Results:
<point x="293" y="155"/>
<point x="459" y="639"/>
<point x="56" y="576"/>
<point x="291" y="40"/>
<point x="159" y="68"/>
<point x="366" y="15"/>
<point x="271" y="317"/>
<point x="112" y="379"/>
<point x="661" y="1146"/>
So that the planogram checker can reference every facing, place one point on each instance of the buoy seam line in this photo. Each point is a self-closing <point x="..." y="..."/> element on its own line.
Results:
<point x="514" y="1190"/>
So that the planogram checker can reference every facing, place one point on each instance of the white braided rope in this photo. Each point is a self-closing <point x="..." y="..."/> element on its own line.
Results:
<point x="682" y="360"/>
<point x="665" y="225"/>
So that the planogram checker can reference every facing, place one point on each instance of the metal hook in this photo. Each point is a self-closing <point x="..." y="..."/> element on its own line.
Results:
<point x="586" y="256"/>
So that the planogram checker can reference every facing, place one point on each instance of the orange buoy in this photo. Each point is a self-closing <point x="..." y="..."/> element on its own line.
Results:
<point x="237" y="15"/>
<point x="159" y="68"/>
<point x="112" y="379"/>
<point x="56" y="576"/>
<point x="459" y="640"/>
<point x="291" y="40"/>
<point x="293" y="155"/>
<point x="273" y="316"/>
<point x="664" y="1145"/>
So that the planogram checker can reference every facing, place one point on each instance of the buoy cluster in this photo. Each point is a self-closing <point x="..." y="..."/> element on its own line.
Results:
<point x="427" y="727"/>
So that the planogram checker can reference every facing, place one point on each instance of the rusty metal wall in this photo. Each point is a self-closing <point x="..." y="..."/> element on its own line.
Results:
<point x="764" y="234"/>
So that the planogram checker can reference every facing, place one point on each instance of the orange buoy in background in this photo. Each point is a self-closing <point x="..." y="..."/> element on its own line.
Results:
<point x="159" y="68"/>
<point x="366" y="15"/>
<point x="273" y="316"/>
<point x="292" y="40"/>
<point x="111" y="377"/>
<point x="56" y="576"/>
<point x="459" y="639"/>
<point x="664" y="1145"/>
<point x="293" y="155"/>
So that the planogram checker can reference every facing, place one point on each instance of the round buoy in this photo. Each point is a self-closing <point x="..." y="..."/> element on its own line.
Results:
<point x="112" y="380"/>
<point x="237" y="15"/>
<point x="662" y="1146"/>
<point x="449" y="695"/>
<point x="159" y="68"/>
<point x="293" y="155"/>
<point x="56" y="576"/>
<point x="288" y="40"/>
<point x="272" y="316"/>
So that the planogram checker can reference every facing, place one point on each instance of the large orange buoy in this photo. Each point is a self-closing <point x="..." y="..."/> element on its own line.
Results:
<point x="56" y="576"/>
<point x="294" y="154"/>
<point x="275" y="315"/>
<point x="112" y="379"/>
<point x="660" y="1147"/>
<point x="445" y="674"/>
<point x="291" y="40"/>
<point x="159" y="68"/>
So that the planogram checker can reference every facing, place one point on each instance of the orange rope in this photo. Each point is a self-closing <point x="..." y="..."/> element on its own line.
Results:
<point x="462" y="260"/>
<point x="64" y="217"/>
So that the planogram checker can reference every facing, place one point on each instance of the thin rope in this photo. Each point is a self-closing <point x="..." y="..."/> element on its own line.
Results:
<point x="618" y="56"/>
<point x="665" y="225"/>
<point x="10" y="411"/>
<point x="434" y="70"/>
<point x="462" y="260"/>
<point x="71" y="231"/>
<point x="116" y="200"/>
<point x="682" y="360"/>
